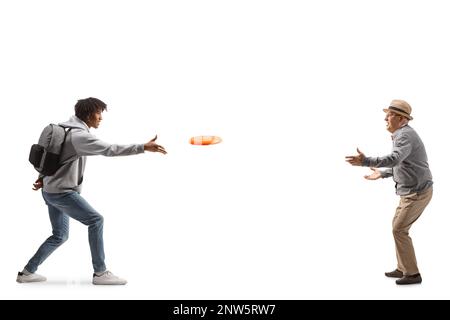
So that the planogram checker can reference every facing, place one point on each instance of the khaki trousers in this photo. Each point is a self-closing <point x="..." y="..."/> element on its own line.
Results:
<point x="409" y="210"/>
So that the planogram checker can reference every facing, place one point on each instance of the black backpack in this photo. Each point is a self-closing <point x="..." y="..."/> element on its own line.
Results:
<point x="45" y="155"/>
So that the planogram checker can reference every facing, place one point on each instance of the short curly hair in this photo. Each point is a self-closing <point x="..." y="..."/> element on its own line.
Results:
<point x="86" y="107"/>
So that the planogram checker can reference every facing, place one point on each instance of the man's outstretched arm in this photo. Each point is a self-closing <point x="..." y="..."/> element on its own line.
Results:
<point x="86" y="144"/>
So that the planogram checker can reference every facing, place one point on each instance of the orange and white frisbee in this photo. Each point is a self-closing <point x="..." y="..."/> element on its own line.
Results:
<point x="205" y="140"/>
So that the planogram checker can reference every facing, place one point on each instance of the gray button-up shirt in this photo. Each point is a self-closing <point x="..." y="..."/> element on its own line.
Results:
<point x="407" y="163"/>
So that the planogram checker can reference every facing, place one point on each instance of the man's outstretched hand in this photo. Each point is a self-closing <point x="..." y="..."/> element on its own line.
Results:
<point x="39" y="183"/>
<point x="356" y="160"/>
<point x="153" y="147"/>
<point x="376" y="174"/>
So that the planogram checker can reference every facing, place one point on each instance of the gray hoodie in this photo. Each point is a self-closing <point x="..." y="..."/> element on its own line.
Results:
<point x="79" y="144"/>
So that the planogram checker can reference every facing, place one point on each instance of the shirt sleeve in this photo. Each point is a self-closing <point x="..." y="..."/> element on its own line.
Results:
<point x="86" y="144"/>
<point x="386" y="173"/>
<point x="402" y="148"/>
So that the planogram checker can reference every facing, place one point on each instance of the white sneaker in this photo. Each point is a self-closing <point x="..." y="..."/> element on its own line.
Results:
<point x="108" y="278"/>
<point x="32" y="277"/>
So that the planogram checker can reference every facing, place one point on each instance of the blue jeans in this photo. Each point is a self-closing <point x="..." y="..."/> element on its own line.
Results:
<point x="61" y="206"/>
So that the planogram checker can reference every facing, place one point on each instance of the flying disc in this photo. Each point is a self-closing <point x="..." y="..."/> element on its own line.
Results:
<point x="205" y="140"/>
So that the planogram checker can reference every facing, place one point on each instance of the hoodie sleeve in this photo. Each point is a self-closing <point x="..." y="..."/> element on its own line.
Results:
<point x="86" y="144"/>
<point x="402" y="148"/>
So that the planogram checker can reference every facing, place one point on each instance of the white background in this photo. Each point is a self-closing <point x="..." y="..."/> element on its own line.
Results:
<point x="274" y="212"/>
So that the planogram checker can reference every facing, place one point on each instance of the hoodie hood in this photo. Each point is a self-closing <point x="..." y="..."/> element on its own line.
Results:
<point x="75" y="122"/>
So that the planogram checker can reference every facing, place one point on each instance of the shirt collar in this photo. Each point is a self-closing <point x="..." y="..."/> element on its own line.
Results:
<point x="397" y="132"/>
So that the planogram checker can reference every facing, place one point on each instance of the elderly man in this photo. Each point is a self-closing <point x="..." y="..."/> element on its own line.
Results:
<point x="408" y="165"/>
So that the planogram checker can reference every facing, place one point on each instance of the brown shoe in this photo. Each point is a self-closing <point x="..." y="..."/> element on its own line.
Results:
<point x="394" y="274"/>
<point x="412" y="279"/>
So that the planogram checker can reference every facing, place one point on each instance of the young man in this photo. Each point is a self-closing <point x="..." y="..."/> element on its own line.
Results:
<point x="61" y="192"/>
<point x="408" y="165"/>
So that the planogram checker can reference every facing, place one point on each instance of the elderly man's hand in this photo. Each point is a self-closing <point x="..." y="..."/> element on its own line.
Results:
<point x="376" y="174"/>
<point x="356" y="160"/>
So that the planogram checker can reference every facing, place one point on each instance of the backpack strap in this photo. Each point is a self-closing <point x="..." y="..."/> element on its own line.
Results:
<point x="65" y="136"/>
